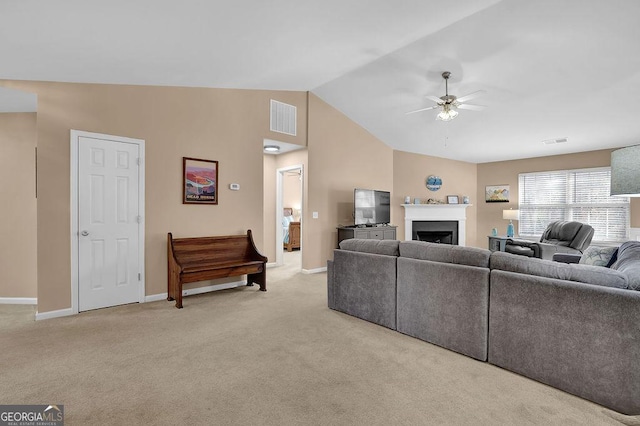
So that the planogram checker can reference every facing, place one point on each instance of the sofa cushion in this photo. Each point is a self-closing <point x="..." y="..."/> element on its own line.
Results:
<point x="629" y="263"/>
<point x="445" y="253"/>
<point x="570" y="272"/>
<point x="597" y="256"/>
<point x="386" y="247"/>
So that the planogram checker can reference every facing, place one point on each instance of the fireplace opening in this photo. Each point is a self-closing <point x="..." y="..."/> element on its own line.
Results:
<point x="436" y="237"/>
<point x="436" y="231"/>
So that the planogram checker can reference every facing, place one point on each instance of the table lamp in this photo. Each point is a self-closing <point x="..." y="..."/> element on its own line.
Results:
<point x="625" y="174"/>
<point x="511" y="215"/>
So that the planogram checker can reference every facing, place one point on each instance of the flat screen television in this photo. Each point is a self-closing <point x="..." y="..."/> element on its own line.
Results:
<point x="371" y="207"/>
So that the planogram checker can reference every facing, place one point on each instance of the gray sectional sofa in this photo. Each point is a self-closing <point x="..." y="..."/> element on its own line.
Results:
<point x="574" y="327"/>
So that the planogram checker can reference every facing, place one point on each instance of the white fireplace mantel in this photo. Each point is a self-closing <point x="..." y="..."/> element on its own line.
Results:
<point x="417" y="212"/>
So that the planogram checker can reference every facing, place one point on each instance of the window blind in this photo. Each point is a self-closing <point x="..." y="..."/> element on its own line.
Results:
<point x="576" y="195"/>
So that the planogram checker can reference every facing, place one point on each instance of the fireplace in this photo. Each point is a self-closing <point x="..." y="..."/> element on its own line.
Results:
<point x="438" y="213"/>
<point x="435" y="231"/>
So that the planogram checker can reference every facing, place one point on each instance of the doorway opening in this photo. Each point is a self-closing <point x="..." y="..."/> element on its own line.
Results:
<point x="289" y="201"/>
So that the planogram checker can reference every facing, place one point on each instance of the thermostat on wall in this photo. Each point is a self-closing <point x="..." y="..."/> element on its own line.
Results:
<point x="234" y="186"/>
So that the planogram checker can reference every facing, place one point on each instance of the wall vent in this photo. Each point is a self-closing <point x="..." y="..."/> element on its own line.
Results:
<point x="283" y="118"/>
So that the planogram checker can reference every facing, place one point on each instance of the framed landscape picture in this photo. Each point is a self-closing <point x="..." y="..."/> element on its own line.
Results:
<point x="199" y="181"/>
<point x="497" y="193"/>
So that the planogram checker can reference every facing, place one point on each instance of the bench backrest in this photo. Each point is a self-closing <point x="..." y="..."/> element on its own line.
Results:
<point x="229" y="248"/>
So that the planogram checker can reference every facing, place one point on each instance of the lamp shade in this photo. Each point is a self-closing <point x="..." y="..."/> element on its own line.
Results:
<point x="511" y="214"/>
<point x="625" y="171"/>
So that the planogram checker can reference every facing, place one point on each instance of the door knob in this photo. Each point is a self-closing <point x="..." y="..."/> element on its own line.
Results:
<point x="84" y="233"/>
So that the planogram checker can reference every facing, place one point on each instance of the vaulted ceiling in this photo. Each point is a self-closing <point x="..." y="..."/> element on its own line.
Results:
<point x="550" y="69"/>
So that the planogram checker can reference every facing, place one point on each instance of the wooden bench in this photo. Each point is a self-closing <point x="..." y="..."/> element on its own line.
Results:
<point x="206" y="258"/>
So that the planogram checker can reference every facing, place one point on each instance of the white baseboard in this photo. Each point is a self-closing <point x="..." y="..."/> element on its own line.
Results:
<point x="155" y="297"/>
<point x="54" y="314"/>
<point x="272" y="265"/>
<point x="18" y="300"/>
<point x="314" y="271"/>
<point x="199" y="290"/>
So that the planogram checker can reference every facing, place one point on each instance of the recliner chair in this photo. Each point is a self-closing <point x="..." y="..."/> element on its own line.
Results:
<point x="559" y="237"/>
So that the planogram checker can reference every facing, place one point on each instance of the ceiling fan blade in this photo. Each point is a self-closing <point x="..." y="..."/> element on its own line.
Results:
<point x="422" y="109"/>
<point x="434" y="99"/>
<point x="471" y="96"/>
<point x="472" y="107"/>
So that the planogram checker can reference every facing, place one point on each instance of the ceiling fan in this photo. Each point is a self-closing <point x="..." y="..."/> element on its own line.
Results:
<point x="449" y="103"/>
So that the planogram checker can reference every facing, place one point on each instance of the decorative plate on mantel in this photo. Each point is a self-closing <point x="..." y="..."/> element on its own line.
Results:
<point x="434" y="183"/>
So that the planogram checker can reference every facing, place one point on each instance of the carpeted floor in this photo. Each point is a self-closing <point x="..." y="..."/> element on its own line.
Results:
<point x="245" y="357"/>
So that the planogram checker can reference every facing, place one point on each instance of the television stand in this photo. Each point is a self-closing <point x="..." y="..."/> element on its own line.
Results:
<point x="384" y="232"/>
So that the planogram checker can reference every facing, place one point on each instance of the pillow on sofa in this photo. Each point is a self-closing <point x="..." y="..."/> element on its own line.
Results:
<point x="386" y="247"/>
<point x="597" y="256"/>
<point x="629" y="263"/>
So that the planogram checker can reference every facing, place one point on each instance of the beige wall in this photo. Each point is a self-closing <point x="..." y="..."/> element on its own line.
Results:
<point x="229" y="126"/>
<point x="217" y="124"/>
<point x="410" y="172"/>
<point x="506" y="173"/>
<point x="18" y="251"/>
<point x="342" y="156"/>
<point x="269" y="207"/>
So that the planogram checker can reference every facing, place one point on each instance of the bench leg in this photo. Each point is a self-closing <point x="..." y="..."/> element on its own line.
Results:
<point x="178" y="296"/>
<point x="175" y="290"/>
<point x="259" y="278"/>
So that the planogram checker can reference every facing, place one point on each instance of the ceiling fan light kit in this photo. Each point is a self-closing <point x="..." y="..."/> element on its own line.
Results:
<point x="447" y="113"/>
<point x="448" y="104"/>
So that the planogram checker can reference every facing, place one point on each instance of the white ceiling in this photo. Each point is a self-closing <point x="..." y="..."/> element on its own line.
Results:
<point x="551" y="69"/>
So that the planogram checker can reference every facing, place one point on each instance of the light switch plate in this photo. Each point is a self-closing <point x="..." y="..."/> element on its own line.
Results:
<point x="315" y="215"/>
<point x="234" y="186"/>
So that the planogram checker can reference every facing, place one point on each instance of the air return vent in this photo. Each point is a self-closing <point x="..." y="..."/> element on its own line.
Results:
<point x="283" y="118"/>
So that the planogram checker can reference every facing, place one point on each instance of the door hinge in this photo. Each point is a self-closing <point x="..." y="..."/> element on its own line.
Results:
<point x="139" y="219"/>
<point x="138" y="161"/>
<point x="139" y="276"/>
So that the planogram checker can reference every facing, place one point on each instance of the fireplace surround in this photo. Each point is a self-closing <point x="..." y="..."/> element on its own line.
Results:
<point x="436" y="213"/>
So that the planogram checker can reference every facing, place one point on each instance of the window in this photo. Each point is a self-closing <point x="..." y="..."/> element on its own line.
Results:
<point x="579" y="195"/>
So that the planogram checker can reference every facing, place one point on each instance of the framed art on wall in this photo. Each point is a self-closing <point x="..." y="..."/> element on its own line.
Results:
<point x="497" y="193"/>
<point x="199" y="181"/>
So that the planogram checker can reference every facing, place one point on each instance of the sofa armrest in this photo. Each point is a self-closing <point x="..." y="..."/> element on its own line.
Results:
<point x="522" y="247"/>
<point x="546" y="251"/>
<point x="567" y="258"/>
<point x="517" y="242"/>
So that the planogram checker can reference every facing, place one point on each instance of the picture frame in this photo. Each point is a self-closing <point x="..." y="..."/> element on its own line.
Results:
<point x="453" y="199"/>
<point x="496" y="193"/>
<point x="199" y="181"/>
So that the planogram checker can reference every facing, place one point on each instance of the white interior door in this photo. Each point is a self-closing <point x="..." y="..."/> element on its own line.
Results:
<point x="108" y="222"/>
